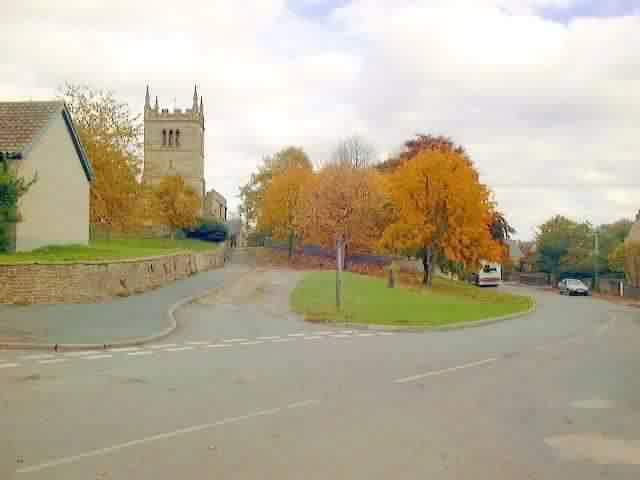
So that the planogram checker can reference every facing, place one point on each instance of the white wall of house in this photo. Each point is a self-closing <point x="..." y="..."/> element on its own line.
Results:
<point x="55" y="210"/>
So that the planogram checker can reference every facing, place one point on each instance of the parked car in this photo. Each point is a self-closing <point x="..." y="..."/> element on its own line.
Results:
<point x="573" y="286"/>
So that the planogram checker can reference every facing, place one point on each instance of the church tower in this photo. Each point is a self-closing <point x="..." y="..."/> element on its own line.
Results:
<point x="174" y="143"/>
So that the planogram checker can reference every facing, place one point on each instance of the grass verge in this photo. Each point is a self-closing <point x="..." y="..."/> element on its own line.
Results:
<point x="367" y="300"/>
<point x="102" y="250"/>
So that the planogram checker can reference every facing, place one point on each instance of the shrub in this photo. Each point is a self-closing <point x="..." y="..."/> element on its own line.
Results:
<point x="12" y="188"/>
<point x="209" y="231"/>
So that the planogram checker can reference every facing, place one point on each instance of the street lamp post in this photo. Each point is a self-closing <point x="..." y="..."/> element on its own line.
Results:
<point x="596" y="252"/>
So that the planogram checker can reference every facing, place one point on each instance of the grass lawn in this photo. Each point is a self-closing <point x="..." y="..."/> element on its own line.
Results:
<point x="368" y="300"/>
<point x="107" y="250"/>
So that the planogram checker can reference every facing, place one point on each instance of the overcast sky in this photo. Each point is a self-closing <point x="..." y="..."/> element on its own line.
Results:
<point x="544" y="94"/>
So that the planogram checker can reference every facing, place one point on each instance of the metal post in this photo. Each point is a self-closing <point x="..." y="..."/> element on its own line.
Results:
<point x="596" y="284"/>
<point x="338" y="273"/>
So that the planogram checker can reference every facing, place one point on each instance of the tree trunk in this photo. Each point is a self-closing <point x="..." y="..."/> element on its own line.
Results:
<point x="339" y="260"/>
<point x="427" y="264"/>
<point x="291" y="238"/>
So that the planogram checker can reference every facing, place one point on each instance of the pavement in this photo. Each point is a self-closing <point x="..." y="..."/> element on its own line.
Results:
<point x="116" y="321"/>
<point x="246" y="390"/>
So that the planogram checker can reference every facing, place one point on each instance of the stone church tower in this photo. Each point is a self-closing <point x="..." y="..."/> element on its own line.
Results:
<point x="174" y="143"/>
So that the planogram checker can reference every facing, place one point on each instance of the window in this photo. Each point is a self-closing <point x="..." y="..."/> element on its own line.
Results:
<point x="177" y="138"/>
<point x="170" y="138"/>
<point x="164" y="138"/>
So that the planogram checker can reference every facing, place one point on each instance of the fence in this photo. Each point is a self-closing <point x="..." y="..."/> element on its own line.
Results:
<point x="356" y="258"/>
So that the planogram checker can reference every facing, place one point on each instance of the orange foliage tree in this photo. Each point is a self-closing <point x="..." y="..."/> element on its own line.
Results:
<point x="281" y="206"/>
<point x="632" y="262"/>
<point x="442" y="211"/>
<point x="111" y="136"/>
<point x="345" y="202"/>
<point x="175" y="204"/>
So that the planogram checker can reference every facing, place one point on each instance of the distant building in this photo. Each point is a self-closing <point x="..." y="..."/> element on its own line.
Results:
<point x="174" y="145"/>
<point x="39" y="139"/>
<point x="215" y="206"/>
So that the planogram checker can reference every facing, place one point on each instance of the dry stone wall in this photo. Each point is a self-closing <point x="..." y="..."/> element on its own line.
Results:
<point x="91" y="282"/>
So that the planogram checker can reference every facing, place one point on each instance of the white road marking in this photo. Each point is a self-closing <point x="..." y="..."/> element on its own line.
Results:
<point x="124" y="349"/>
<point x="366" y="334"/>
<point x="79" y="354"/>
<point x="219" y="345"/>
<point x="296" y="335"/>
<point x="143" y="352"/>
<point x="313" y="337"/>
<point x="8" y="365"/>
<point x="269" y="338"/>
<point x="385" y="334"/>
<point x="197" y="343"/>
<point x="445" y="370"/>
<point x="178" y="349"/>
<point x="235" y="340"/>
<point x="255" y="342"/>
<point x="325" y="333"/>
<point x="98" y="357"/>
<point x="166" y="345"/>
<point x="161" y="436"/>
<point x="341" y="336"/>
<point x="304" y="403"/>
<point x="55" y="360"/>
<point x="37" y="357"/>
<point x="282" y="340"/>
<point x="348" y="332"/>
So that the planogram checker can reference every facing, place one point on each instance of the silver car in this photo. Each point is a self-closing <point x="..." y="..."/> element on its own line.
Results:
<point x="573" y="286"/>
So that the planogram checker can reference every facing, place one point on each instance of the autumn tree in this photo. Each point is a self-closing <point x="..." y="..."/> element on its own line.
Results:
<point x="281" y="210"/>
<point x="421" y="143"/>
<point x="347" y="203"/>
<point x="111" y="137"/>
<point x="616" y="259"/>
<point x="176" y="204"/>
<point x="442" y="210"/>
<point x="252" y="193"/>
<point x="632" y="262"/>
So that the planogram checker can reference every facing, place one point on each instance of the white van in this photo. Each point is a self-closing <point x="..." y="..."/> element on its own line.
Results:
<point x="489" y="275"/>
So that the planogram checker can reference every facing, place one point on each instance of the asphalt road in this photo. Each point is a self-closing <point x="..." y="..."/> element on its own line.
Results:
<point x="247" y="390"/>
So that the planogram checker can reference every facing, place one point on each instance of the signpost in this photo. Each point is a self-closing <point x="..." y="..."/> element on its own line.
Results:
<point x="339" y="261"/>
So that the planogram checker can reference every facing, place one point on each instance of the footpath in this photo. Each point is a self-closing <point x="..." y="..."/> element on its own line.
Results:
<point x="115" y="322"/>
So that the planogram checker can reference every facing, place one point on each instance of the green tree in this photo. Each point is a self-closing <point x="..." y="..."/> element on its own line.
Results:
<point x="611" y="237"/>
<point x="616" y="259"/>
<point x="12" y="187"/>
<point x="564" y="245"/>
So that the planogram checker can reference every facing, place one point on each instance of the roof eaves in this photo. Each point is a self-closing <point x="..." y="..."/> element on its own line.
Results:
<point x="86" y="165"/>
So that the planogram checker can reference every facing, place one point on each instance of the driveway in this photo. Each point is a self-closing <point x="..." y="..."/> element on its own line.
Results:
<point x="247" y="390"/>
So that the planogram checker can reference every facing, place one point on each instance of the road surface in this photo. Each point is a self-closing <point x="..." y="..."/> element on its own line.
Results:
<point x="247" y="390"/>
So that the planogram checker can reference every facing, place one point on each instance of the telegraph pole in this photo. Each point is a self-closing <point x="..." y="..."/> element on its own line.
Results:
<point x="596" y="252"/>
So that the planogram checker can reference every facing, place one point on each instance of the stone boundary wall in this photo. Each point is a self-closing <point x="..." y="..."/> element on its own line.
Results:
<point x="92" y="282"/>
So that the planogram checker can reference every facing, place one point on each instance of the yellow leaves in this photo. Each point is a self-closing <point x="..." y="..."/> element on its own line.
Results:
<point x="281" y="207"/>
<point x="110" y="136"/>
<point x="175" y="204"/>
<point x="440" y="204"/>
<point x="345" y="201"/>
